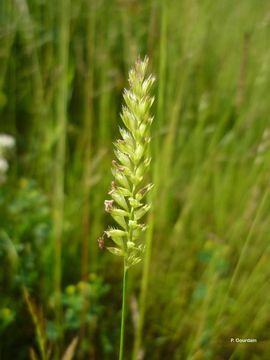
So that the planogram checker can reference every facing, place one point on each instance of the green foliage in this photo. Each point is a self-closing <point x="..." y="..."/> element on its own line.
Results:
<point x="27" y="224"/>
<point x="82" y="307"/>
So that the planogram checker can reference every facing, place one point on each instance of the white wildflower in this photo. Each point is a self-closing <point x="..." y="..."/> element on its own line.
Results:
<point x="7" y="141"/>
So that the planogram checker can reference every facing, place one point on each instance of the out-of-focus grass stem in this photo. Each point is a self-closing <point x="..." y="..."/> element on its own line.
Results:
<point x="62" y="54"/>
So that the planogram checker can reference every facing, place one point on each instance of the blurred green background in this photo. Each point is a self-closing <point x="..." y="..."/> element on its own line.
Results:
<point x="63" y="66"/>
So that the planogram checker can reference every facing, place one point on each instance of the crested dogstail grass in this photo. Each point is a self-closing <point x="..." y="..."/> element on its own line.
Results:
<point x="127" y="205"/>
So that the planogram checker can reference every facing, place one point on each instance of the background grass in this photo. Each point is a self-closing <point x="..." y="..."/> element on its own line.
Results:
<point x="63" y="66"/>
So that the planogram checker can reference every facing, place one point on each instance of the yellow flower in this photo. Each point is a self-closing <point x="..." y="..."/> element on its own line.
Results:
<point x="82" y="285"/>
<point x="70" y="289"/>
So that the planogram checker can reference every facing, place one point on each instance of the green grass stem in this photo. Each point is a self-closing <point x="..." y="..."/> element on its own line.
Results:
<point x="123" y="314"/>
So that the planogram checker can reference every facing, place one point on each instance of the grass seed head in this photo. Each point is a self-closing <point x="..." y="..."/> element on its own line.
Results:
<point x="132" y="153"/>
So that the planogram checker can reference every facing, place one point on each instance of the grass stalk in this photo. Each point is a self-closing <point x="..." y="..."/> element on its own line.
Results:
<point x="88" y="96"/>
<point x="123" y="315"/>
<point x="61" y="125"/>
<point x="37" y="321"/>
<point x="7" y="10"/>
<point x="242" y="254"/>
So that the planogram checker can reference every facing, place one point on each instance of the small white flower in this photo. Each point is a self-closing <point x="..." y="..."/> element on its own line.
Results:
<point x="7" y="141"/>
<point x="3" y="165"/>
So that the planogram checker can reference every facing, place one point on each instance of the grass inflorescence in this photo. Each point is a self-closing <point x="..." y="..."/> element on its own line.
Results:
<point x="127" y="205"/>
